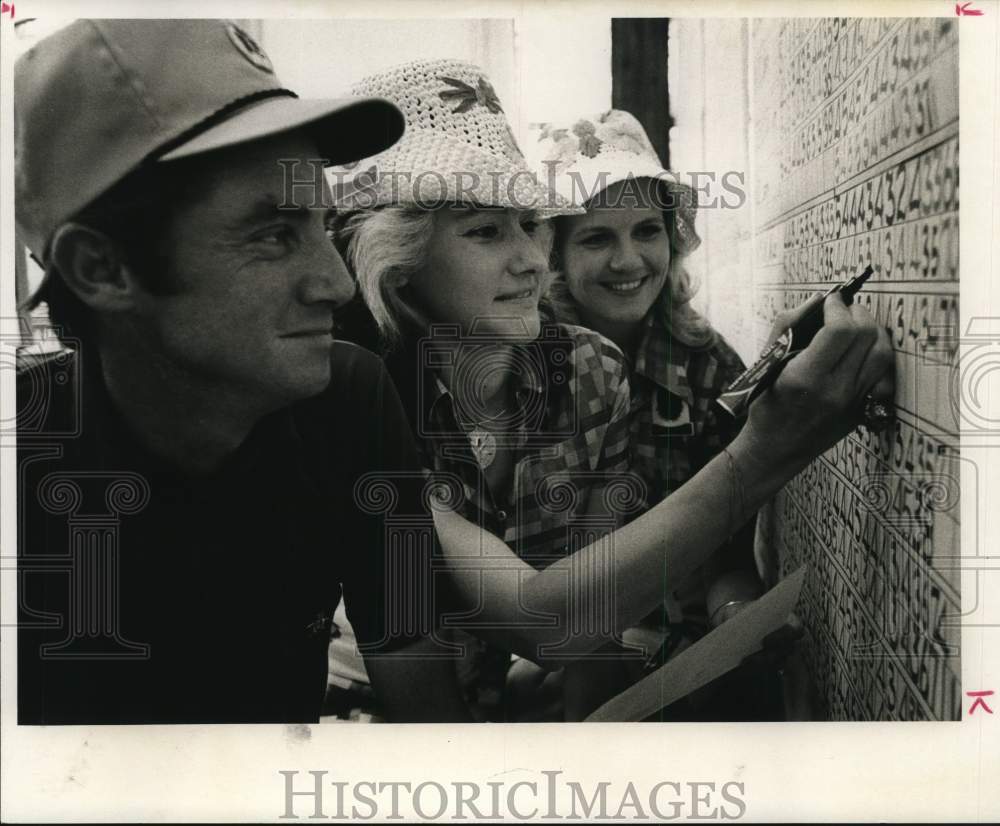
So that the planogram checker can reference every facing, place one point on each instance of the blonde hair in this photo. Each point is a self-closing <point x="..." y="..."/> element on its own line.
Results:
<point x="684" y="322"/>
<point x="384" y="248"/>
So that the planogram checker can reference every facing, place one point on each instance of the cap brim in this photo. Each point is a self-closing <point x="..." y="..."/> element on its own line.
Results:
<point x="345" y="130"/>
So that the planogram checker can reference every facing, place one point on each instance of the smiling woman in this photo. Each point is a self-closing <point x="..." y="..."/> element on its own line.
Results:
<point x="622" y="273"/>
<point x="449" y="264"/>
<point x="519" y="414"/>
<point x="618" y="260"/>
<point x="527" y="424"/>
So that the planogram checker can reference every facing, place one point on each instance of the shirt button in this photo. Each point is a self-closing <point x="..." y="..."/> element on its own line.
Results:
<point x="502" y="515"/>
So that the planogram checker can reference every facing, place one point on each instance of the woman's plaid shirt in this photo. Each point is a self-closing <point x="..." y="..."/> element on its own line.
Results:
<point x="676" y="429"/>
<point x="676" y="426"/>
<point x="570" y="483"/>
<point x="570" y="437"/>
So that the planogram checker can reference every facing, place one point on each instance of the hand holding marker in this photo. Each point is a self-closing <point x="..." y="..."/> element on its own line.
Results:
<point x="736" y="398"/>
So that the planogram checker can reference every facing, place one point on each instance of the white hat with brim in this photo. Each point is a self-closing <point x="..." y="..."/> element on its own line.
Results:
<point x="582" y="159"/>
<point x="458" y="146"/>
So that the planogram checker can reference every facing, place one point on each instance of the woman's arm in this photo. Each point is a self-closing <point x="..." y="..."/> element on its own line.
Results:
<point x="609" y="585"/>
<point x="594" y="594"/>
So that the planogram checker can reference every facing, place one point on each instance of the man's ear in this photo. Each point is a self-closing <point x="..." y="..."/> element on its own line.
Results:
<point x="92" y="267"/>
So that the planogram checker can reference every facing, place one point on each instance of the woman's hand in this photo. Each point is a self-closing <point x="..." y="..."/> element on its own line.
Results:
<point x="815" y="402"/>
<point x="729" y="592"/>
<point x="819" y="396"/>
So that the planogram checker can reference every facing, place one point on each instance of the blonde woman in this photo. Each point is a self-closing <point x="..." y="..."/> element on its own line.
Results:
<point x="451" y="256"/>
<point x="622" y="273"/>
<point x="444" y="236"/>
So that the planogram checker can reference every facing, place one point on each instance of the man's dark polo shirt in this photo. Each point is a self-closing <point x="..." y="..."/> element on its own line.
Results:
<point x="219" y="608"/>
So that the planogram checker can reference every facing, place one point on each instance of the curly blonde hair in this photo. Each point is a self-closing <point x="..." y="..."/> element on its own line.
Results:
<point x="384" y="247"/>
<point x="684" y="322"/>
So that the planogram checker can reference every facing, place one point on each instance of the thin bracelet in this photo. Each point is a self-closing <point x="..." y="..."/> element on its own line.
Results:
<point x="711" y="619"/>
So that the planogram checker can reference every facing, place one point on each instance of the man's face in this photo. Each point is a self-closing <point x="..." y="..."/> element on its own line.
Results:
<point x="256" y="285"/>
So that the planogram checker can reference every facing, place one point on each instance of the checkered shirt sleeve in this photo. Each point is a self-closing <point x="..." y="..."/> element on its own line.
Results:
<point x="576" y="460"/>
<point x="708" y="375"/>
<point x="560" y="486"/>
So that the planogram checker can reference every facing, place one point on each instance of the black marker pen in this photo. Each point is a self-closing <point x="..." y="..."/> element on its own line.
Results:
<point x="753" y="381"/>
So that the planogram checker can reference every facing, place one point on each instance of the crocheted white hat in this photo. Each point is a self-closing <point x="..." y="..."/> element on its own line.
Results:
<point x="457" y="146"/>
<point x="583" y="158"/>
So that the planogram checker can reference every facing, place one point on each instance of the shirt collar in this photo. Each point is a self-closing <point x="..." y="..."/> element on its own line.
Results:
<point x="526" y="385"/>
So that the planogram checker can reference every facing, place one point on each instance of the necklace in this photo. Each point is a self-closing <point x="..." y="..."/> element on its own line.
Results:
<point x="484" y="446"/>
<point x="482" y="442"/>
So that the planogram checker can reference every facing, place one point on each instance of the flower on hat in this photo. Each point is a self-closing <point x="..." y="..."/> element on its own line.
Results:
<point x="590" y="144"/>
<point x="561" y="147"/>
<point x="545" y="130"/>
<point x="483" y="94"/>
<point x="592" y="153"/>
<point x="458" y="145"/>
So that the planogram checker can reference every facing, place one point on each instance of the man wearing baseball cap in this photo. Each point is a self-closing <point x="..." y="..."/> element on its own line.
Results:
<point x="198" y="476"/>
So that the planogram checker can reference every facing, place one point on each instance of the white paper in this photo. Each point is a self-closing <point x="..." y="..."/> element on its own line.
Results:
<point x="712" y="656"/>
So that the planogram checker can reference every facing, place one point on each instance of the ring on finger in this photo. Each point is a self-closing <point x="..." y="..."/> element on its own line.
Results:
<point x="877" y="414"/>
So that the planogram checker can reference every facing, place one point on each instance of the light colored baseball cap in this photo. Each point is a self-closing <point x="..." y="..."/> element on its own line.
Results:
<point x="97" y="99"/>
<point x="458" y="145"/>
<point x="581" y="158"/>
